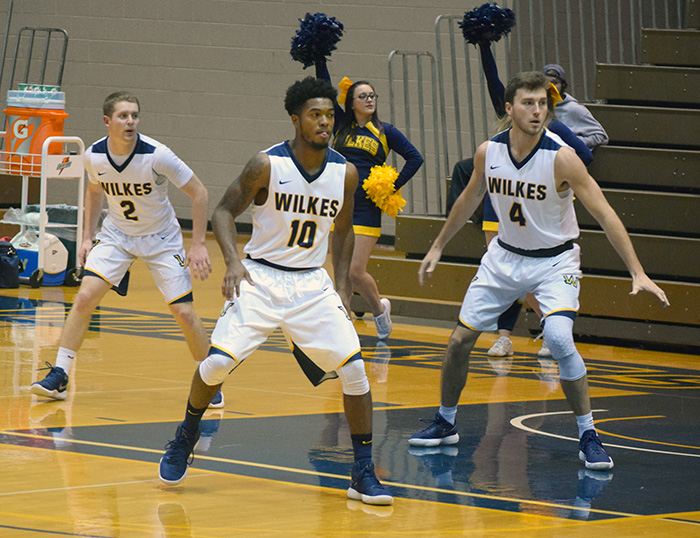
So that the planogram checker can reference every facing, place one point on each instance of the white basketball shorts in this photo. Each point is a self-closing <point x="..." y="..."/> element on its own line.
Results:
<point x="164" y="255"/>
<point x="505" y="276"/>
<point x="303" y="304"/>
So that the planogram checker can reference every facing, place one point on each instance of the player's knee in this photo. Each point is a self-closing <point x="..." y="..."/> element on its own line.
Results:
<point x="356" y="273"/>
<point x="184" y="313"/>
<point x="463" y="337"/>
<point x="90" y="294"/>
<point x="558" y="333"/>
<point x="354" y="378"/>
<point x="571" y="367"/>
<point x="214" y="369"/>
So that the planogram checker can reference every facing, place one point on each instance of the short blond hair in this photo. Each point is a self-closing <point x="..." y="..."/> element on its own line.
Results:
<point x="117" y="97"/>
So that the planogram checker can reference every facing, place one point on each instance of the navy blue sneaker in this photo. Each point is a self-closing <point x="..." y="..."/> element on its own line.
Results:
<point x="54" y="385"/>
<point x="178" y="456"/>
<point x="440" y="432"/>
<point x="592" y="453"/>
<point x="365" y="486"/>
<point x="217" y="402"/>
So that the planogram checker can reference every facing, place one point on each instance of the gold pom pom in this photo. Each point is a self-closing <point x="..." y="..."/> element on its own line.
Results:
<point x="393" y="204"/>
<point x="379" y="186"/>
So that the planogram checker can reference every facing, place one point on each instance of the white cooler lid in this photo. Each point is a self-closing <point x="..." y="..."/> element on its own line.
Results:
<point x="34" y="99"/>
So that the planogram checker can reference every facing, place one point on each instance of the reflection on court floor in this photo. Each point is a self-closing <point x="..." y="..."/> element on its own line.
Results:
<point x="94" y="457"/>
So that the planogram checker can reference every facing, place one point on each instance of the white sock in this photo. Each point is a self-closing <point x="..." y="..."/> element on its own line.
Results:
<point x="448" y="413"/>
<point x="64" y="359"/>
<point x="585" y="422"/>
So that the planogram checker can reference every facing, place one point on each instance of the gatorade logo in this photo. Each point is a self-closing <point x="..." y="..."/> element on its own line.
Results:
<point x="20" y="129"/>
<point x="65" y="163"/>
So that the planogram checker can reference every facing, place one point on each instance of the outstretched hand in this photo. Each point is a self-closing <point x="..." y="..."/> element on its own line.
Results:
<point x="644" y="283"/>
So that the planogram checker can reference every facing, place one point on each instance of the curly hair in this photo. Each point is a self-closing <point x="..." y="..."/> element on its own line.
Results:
<point x="303" y="90"/>
<point x="117" y="97"/>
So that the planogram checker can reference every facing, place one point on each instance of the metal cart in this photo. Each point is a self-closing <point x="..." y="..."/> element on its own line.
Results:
<point x="54" y="168"/>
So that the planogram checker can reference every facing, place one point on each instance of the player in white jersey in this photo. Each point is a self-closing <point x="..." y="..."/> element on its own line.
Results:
<point x="531" y="177"/>
<point x="133" y="171"/>
<point x="298" y="190"/>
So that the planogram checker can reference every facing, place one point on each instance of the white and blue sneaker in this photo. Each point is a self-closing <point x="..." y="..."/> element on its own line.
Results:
<point x="440" y="432"/>
<point x="54" y="385"/>
<point x="383" y="321"/>
<point x="365" y="486"/>
<point x="592" y="453"/>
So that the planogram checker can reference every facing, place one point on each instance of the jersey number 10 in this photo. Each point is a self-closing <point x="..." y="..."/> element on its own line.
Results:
<point x="303" y="235"/>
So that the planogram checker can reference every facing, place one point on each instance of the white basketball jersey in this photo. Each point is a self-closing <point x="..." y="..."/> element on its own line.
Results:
<point x="137" y="189"/>
<point x="291" y="228"/>
<point x="531" y="213"/>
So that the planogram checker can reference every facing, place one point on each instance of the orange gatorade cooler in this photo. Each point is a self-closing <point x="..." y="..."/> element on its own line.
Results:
<point x="32" y="117"/>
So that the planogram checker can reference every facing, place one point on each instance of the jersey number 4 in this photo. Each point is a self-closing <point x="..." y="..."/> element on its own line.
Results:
<point x="516" y="214"/>
<point x="303" y="234"/>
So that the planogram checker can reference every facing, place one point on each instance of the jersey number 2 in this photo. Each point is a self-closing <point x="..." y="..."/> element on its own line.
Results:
<point x="303" y="237"/>
<point x="129" y="209"/>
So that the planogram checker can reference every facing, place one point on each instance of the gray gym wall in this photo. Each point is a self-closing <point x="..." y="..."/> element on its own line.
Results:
<point x="211" y="75"/>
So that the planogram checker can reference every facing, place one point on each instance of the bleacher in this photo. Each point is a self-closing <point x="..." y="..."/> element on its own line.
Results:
<point x="650" y="173"/>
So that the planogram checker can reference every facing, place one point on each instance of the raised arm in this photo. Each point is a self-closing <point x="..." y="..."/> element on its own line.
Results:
<point x="250" y="186"/>
<point x="496" y="90"/>
<point x="568" y="169"/>
<point x="198" y="256"/>
<point x="343" y="238"/>
<point x="462" y="210"/>
<point x="323" y="73"/>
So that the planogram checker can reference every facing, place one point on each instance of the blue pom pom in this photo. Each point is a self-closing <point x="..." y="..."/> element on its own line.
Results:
<point x="487" y="23"/>
<point x="316" y="38"/>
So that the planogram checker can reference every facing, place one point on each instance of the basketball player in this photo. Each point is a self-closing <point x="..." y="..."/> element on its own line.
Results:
<point x="531" y="177"/>
<point x="297" y="189"/>
<point x="132" y="171"/>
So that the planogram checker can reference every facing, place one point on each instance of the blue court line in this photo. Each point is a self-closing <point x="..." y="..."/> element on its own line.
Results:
<point x="55" y="533"/>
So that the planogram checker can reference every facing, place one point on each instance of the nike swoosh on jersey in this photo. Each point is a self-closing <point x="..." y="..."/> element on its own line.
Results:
<point x="101" y="173"/>
<point x="494" y="167"/>
<point x="285" y="182"/>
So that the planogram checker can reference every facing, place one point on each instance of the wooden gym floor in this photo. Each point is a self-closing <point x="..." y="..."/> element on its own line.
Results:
<point x="275" y="461"/>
